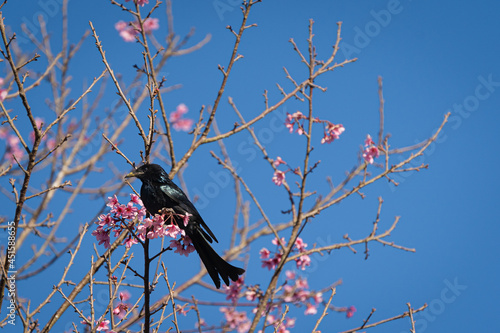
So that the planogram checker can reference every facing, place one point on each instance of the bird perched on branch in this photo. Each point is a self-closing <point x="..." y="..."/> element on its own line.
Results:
<point x="158" y="192"/>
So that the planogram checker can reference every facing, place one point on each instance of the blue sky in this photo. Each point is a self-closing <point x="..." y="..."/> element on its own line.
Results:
<point x="434" y="57"/>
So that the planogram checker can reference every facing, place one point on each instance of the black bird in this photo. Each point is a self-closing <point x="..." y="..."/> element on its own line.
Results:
<point x="158" y="191"/>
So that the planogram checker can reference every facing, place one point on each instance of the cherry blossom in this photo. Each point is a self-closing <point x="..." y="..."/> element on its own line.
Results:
<point x="271" y="262"/>
<point x="103" y="325"/>
<point x="102" y="236"/>
<point x="278" y="177"/>
<point x="332" y="132"/>
<point x="278" y="161"/>
<point x="13" y="148"/>
<point x="233" y="290"/>
<point x="129" y="30"/>
<point x="236" y="320"/>
<point x="371" y="151"/>
<point x="131" y="217"/>
<point x="179" y="123"/>
<point x="295" y="118"/>
<point x="310" y="309"/>
<point x="350" y="311"/>
<point x="150" y="24"/>
<point x="3" y="92"/>
<point x="140" y="2"/>
<point x="184" y="248"/>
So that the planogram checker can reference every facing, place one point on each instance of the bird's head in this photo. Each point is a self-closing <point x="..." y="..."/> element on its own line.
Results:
<point x="150" y="172"/>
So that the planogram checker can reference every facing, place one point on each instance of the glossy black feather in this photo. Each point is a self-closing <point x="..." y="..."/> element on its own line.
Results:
<point x="158" y="191"/>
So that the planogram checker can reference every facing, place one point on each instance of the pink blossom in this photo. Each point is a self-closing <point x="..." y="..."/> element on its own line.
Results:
<point x="120" y="310"/>
<point x="368" y="141"/>
<point x="184" y="248"/>
<point x="134" y="198"/>
<point x="106" y="220"/>
<point x="234" y="289"/>
<point x="236" y="320"/>
<point x="311" y="309"/>
<point x="370" y="153"/>
<point x="278" y="161"/>
<point x="290" y="275"/>
<point x="178" y="113"/>
<point x="290" y="322"/>
<point x="303" y="261"/>
<point x="129" y="241"/>
<point x="130" y="211"/>
<point x="185" y="218"/>
<point x="3" y="94"/>
<point x="301" y="283"/>
<point x="276" y="242"/>
<point x="264" y="253"/>
<point x="150" y="24"/>
<point x="332" y="132"/>
<point x="126" y="30"/>
<point x="183" y="125"/>
<point x="51" y="143"/>
<point x="103" y="325"/>
<point x="124" y="296"/>
<point x="172" y="230"/>
<point x="318" y="297"/>
<point x="179" y="123"/>
<point x="273" y="262"/>
<point x="13" y="148"/>
<point x="251" y="294"/>
<point x="112" y="201"/>
<point x="118" y="210"/>
<point x="140" y="2"/>
<point x="350" y="311"/>
<point x="102" y="236"/>
<point x="278" y="177"/>
<point x="292" y="119"/>
<point x="299" y="243"/>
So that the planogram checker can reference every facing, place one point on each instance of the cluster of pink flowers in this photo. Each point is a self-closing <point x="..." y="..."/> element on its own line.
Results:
<point x="296" y="291"/>
<point x="271" y="262"/>
<point x="179" y="123"/>
<point x="131" y="217"/>
<point x="279" y="176"/>
<point x="13" y="144"/>
<point x="102" y="325"/>
<point x="234" y="290"/>
<point x="3" y="92"/>
<point x="349" y="311"/>
<point x="331" y="130"/>
<point x="129" y="30"/>
<point x="121" y="309"/>
<point x="283" y="327"/>
<point x="140" y="2"/>
<point x="296" y="118"/>
<point x="236" y="320"/>
<point x="371" y="151"/>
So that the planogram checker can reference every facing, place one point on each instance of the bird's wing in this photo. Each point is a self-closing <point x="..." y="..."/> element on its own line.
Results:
<point x="176" y="195"/>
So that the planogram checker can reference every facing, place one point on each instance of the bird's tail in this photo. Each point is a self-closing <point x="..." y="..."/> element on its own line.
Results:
<point x="214" y="264"/>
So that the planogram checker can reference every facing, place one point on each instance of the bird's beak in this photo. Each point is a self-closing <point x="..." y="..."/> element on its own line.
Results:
<point x="134" y="173"/>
